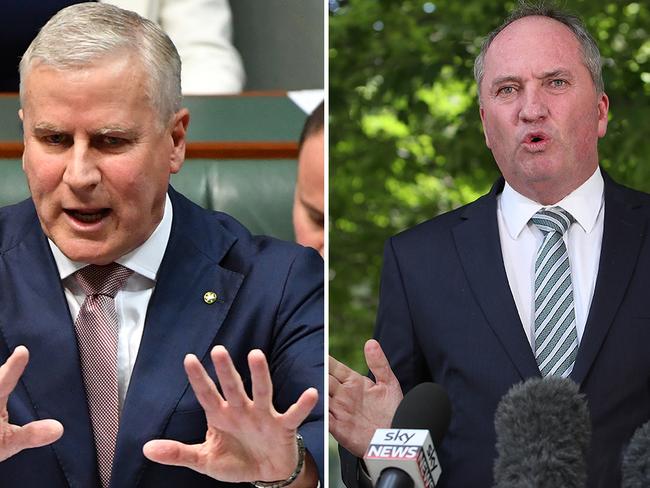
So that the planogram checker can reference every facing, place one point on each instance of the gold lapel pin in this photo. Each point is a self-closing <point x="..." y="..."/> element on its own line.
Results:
<point x="209" y="297"/>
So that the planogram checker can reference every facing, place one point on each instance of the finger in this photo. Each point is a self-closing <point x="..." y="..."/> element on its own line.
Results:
<point x="340" y="430"/>
<point x="345" y="404"/>
<point x="339" y="412"/>
<point x="204" y="388"/>
<point x="39" y="433"/>
<point x="298" y="412"/>
<point x="11" y="371"/>
<point x="173" y="453"/>
<point x="261" y="379"/>
<point x="229" y="379"/>
<point x="34" y="434"/>
<point x="333" y="386"/>
<point x="333" y="422"/>
<point x="340" y="371"/>
<point x="378" y="364"/>
<point x="334" y="427"/>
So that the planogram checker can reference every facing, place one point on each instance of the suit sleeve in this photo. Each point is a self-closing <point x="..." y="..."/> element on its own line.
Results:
<point x="297" y="359"/>
<point x="395" y="332"/>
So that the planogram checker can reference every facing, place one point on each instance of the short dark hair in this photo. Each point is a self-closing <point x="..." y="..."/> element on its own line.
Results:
<point x="313" y="125"/>
<point x="590" y="52"/>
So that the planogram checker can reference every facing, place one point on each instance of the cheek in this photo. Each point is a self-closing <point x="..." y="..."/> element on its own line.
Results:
<point x="130" y="191"/>
<point x="137" y="191"/>
<point x="303" y="226"/>
<point x="298" y="219"/>
<point x="583" y="136"/>
<point x="307" y="231"/>
<point x="496" y="132"/>
<point x="497" y="142"/>
<point x="43" y="173"/>
<point x="137" y="175"/>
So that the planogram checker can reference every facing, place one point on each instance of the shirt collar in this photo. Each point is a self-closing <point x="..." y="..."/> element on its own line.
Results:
<point x="584" y="203"/>
<point x="144" y="259"/>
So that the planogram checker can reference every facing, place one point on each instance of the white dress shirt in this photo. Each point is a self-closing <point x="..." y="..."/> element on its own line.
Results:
<point x="520" y="240"/>
<point x="131" y="301"/>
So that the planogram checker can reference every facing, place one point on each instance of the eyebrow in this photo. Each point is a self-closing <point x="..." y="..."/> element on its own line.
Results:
<point x="556" y="73"/>
<point x="117" y="130"/>
<point x="42" y="127"/>
<point x="559" y="72"/>
<point x="504" y="79"/>
<point x="46" y="127"/>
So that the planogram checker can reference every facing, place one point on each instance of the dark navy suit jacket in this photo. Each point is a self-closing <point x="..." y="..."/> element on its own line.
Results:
<point x="270" y="296"/>
<point x="447" y="315"/>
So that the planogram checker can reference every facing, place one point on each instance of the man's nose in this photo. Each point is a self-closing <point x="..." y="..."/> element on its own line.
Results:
<point x="533" y="106"/>
<point x="81" y="171"/>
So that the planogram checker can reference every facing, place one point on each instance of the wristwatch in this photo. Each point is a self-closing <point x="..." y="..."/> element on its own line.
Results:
<point x="281" y="483"/>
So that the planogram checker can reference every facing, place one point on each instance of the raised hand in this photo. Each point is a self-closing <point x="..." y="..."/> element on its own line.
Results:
<point x="247" y="439"/>
<point x="359" y="405"/>
<point x="14" y="438"/>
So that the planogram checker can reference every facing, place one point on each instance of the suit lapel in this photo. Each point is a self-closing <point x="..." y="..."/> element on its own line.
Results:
<point x="34" y="312"/>
<point x="623" y="233"/>
<point x="178" y="322"/>
<point x="479" y="249"/>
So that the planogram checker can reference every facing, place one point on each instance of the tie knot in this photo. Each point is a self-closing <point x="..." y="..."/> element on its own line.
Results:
<point x="102" y="280"/>
<point x="554" y="219"/>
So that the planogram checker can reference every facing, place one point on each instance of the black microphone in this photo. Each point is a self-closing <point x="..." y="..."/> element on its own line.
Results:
<point x="543" y="432"/>
<point x="636" y="461"/>
<point x="404" y="456"/>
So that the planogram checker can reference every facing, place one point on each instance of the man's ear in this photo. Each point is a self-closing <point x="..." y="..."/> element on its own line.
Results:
<point x="603" y="111"/>
<point x="485" y="134"/>
<point x="21" y="116"/>
<point x="180" y="121"/>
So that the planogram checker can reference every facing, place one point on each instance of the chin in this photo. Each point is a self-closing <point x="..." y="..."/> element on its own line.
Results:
<point x="541" y="170"/>
<point x="86" y="253"/>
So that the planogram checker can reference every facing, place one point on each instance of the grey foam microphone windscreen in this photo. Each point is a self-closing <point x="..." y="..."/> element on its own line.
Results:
<point x="543" y="433"/>
<point x="636" y="461"/>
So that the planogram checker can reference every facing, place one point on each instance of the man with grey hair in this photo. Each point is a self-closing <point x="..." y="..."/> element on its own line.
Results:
<point x="544" y="276"/>
<point x="141" y="334"/>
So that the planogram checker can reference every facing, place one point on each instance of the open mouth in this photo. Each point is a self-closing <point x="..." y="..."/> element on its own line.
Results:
<point x="535" y="142"/>
<point x="88" y="216"/>
<point x="533" y="138"/>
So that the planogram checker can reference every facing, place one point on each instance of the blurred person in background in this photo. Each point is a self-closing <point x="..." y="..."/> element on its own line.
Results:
<point x="309" y="202"/>
<point x="200" y="29"/>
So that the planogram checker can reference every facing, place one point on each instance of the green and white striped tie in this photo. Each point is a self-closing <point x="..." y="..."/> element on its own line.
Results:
<point x="556" y="338"/>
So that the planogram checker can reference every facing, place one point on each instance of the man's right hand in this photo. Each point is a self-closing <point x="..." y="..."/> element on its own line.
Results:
<point x="358" y="406"/>
<point x="14" y="438"/>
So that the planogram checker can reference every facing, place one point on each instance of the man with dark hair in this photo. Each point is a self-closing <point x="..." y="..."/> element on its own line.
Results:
<point x="146" y="341"/>
<point x="544" y="276"/>
<point x="309" y="202"/>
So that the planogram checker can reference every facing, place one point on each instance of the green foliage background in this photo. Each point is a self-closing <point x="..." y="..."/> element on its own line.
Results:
<point x="405" y="137"/>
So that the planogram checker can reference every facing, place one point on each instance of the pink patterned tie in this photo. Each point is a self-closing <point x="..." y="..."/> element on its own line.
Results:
<point x="97" y="335"/>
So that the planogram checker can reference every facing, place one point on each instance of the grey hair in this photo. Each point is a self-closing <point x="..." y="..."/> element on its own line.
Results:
<point x="81" y="34"/>
<point x="590" y="52"/>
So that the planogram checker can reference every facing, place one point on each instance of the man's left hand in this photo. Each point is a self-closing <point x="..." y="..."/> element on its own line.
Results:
<point x="247" y="439"/>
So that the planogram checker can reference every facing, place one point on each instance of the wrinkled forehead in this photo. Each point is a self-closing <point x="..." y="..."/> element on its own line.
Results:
<point x="103" y="75"/>
<point x="534" y="43"/>
<point x="77" y="67"/>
